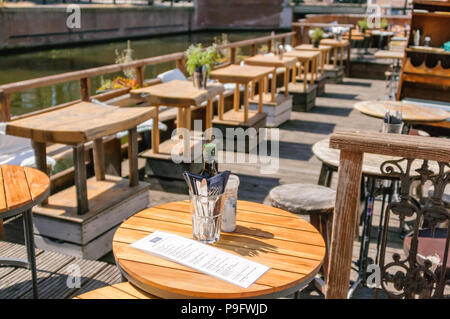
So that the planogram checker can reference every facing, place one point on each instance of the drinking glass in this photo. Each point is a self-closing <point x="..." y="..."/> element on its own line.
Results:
<point x="206" y="214"/>
<point x="392" y="128"/>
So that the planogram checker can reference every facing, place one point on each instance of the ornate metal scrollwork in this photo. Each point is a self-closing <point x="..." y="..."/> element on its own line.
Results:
<point x="412" y="277"/>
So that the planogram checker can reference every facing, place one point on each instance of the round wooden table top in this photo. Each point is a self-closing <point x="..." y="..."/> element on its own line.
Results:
<point x="410" y="112"/>
<point x="371" y="162"/>
<point x="21" y="188"/>
<point x="292" y="248"/>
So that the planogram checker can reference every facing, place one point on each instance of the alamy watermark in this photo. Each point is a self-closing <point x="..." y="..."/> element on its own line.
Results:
<point x="73" y="20"/>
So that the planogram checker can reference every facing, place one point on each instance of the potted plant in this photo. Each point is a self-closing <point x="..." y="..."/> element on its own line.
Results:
<point x="199" y="62"/>
<point x="316" y="35"/>
<point x="384" y="24"/>
<point x="363" y="25"/>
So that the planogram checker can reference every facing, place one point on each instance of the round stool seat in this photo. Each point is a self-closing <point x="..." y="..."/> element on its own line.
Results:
<point x="303" y="198"/>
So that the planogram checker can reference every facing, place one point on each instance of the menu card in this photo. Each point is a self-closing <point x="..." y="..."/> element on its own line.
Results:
<point x="201" y="257"/>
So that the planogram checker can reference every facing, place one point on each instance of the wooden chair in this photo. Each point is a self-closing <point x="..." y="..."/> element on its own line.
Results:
<point x="353" y="144"/>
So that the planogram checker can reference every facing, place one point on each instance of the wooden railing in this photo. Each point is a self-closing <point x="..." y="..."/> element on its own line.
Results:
<point x="83" y="76"/>
<point x="353" y="145"/>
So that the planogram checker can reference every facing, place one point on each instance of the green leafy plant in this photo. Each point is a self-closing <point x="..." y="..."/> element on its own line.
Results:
<point x="317" y="34"/>
<point x="197" y="56"/>
<point x="363" y="24"/>
<point x="384" y="23"/>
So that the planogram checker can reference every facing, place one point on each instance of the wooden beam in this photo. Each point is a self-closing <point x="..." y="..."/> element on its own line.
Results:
<point x="344" y="222"/>
<point x="40" y="155"/>
<point x="140" y="76"/>
<point x="5" y="107"/>
<point x="132" y="156"/>
<point x="80" y="178"/>
<point x="85" y="88"/>
<point x="399" y="145"/>
<point x="99" y="159"/>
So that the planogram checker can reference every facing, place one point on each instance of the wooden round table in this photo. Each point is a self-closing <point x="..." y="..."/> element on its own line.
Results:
<point x="21" y="188"/>
<point x="410" y="112"/>
<point x="292" y="247"/>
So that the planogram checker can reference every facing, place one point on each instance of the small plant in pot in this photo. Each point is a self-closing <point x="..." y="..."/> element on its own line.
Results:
<point x="316" y="35"/>
<point x="363" y="25"/>
<point x="199" y="62"/>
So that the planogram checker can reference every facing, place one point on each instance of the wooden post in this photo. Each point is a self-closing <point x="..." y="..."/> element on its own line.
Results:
<point x="221" y="106"/>
<point x="181" y="64"/>
<point x="294" y="39"/>
<point x="85" y="86"/>
<point x="209" y="113"/>
<point x="344" y="222"/>
<point x="79" y="162"/>
<point x="274" y="86"/>
<point x="5" y="114"/>
<point x="155" y="132"/>
<point x="283" y="41"/>
<point x="140" y="76"/>
<point x="349" y="48"/>
<point x="246" y="102"/>
<point x="99" y="159"/>
<point x="233" y="55"/>
<point x="269" y="46"/>
<point x="237" y="102"/>
<point x="40" y="155"/>
<point x="132" y="157"/>
<point x="260" y="95"/>
<point x="253" y="49"/>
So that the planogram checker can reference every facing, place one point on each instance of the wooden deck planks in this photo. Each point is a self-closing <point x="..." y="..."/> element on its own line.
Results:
<point x="52" y="274"/>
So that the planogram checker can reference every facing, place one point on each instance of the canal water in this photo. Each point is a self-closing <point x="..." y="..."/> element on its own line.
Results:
<point x="24" y="66"/>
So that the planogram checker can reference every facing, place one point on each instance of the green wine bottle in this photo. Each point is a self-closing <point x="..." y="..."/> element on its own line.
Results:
<point x="210" y="166"/>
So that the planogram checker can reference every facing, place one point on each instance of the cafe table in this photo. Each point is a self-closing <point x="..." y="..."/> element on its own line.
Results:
<point x="336" y="45"/>
<point x="305" y="58"/>
<point x="292" y="248"/>
<point x="276" y="61"/>
<point x="324" y="53"/>
<point x="21" y="188"/>
<point x="246" y="75"/>
<point x="411" y="113"/>
<point x="182" y="95"/>
<point x="76" y="125"/>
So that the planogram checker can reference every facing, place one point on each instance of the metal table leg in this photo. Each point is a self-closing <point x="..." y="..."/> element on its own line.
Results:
<point x="29" y="242"/>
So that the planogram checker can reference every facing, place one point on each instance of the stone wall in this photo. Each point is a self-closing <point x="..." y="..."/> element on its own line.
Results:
<point x="46" y="25"/>
<point x="248" y="14"/>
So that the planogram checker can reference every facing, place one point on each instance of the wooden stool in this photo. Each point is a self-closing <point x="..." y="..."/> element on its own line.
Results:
<point x="316" y="201"/>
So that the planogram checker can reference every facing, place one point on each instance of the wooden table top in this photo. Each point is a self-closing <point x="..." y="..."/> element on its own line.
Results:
<point x="288" y="244"/>
<point x="271" y="60"/>
<point x="79" y="123"/>
<point x="385" y="54"/>
<point x="334" y="42"/>
<point x="177" y="93"/>
<point x="240" y="74"/>
<point x="410" y="112"/>
<point x="303" y="56"/>
<point x="21" y="188"/>
<point x="371" y="162"/>
<point x="310" y="47"/>
<point x="124" y="290"/>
